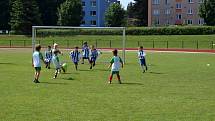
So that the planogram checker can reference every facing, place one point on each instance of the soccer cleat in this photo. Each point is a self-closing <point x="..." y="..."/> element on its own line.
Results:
<point x="91" y="67"/>
<point x="82" y="63"/>
<point x="144" y="71"/>
<point x="120" y="82"/>
<point x="49" y="68"/>
<point x="109" y="82"/>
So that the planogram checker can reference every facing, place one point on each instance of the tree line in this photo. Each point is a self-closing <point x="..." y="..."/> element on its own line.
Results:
<point x="21" y="15"/>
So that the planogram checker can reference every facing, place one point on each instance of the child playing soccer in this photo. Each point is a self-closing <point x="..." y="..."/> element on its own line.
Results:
<point x="48" y="57"/>
<point x="56" y="62"/>
<point x="37" y="56"/>
<point x="75" y="56"/>
<point x="85" y="52"/>
<point x="142" y="60"/>
<point x="93" y="56"/>
<point x="115" y="64"/>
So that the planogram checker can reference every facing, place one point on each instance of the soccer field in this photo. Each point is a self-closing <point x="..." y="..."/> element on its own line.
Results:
<point x="177" y="87"/>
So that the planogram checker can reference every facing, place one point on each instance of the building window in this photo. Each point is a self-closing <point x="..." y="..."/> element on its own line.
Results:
<point x="93" y="13"/>
<point x="178" y="16"/>
<point x="156" y="2"/>
<point x="200" y="1"/>
<point x="93" y="23"/>
<point x="167" y="2"/>
<point x="167" y="22"/>
<point x="93" y="3"/>
<point x="178" y="6"/>
<point x="189" y="22"/>
<point x="83" y="4"/>
<point x="190" y="11"/>
<point x="201" y="21"/>
<point x="156" y="12"/>
<point x="82" y="22"/>
<point x="190" y="1"/>
<point x="83" y="13"/>
<point x="167" y="11"/>
<point x="157" y="21"/>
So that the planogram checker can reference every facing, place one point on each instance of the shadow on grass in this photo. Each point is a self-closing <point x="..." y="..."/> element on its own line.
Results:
<point x="70" y="78"/>
<point x="7" y="64"/>
<point x="155" y="73"/>
<point x="53" y="83"/>
<point x="84" y="70"/>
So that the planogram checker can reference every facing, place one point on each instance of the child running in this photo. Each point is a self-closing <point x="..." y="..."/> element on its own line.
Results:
<point x="115" y="64"/>
<point x="93" y="56"/>
<point x="48" y="57"/>
<point x="56" y="62"/>
<point x="75" y="57"/>
<point x="37" y="56"/>
<point x="85" y="52"/>
<point x="142" y="60"/>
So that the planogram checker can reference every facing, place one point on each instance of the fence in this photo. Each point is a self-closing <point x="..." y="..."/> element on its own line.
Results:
<point x="115" y="44"/>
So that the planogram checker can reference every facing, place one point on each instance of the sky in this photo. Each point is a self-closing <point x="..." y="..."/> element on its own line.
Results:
<point x="125" y="3"/>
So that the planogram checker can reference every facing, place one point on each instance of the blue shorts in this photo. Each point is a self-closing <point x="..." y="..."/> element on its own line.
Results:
<point x="92" y="59"/>
<point x="143" y="62"/>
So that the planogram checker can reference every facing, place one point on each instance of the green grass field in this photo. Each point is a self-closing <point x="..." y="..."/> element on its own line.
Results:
<point x="108" y="41"/>
<point x="177" y="87"/>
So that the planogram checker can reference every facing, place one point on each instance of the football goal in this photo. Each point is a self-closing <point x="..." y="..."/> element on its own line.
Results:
<point x="66" y="36"/>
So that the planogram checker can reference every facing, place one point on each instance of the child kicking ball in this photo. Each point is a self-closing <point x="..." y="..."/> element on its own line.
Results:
<point x="56" y="62"/>
<point x="115" y="63"/>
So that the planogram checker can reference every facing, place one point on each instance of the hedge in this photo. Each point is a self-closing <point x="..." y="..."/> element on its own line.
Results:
<point x="187" y="30"/>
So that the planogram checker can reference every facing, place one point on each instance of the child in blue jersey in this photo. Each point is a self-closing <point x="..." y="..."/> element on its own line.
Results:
<point x="142" y="59"/>
<point x="48" y="57"/>
<point x="56" y="62"/>
<point x="93" y="56"/>
<point x="85" y="52"/>
<point x="115" y="63"/>
<point x="37" y="56"/>
<point x="75" y="57"/>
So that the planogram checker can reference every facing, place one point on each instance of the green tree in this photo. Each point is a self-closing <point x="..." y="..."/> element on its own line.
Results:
<point x="24" y="14"/>
<point x="138" y="11"/>
<point x="207" y="11"/>
<point x="115" y="16"/>
<point x="48" y="10"/>
<point x="70" y="13"/>
<point x="4" y="15"/>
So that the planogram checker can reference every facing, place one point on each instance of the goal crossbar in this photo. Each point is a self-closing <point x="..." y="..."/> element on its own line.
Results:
<point x="34" y="30"/>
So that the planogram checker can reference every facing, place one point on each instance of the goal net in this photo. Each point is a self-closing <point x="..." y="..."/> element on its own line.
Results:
<point x="67" y="37"/>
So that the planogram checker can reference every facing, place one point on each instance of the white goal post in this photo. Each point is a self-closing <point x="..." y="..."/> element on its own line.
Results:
<point x="34" y="34"/>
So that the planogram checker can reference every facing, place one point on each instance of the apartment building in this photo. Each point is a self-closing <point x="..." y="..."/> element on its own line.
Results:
<point x="94" y="12"/>
<point x="174" y="12"/>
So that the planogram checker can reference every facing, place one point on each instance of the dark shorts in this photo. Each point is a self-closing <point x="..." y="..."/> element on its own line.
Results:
<point x="143" y="62"/>
<point x="85" y="57"/>
<point x="114" y="72"/>
<point x="37" y="69"/>
<point x="92" y="59"/>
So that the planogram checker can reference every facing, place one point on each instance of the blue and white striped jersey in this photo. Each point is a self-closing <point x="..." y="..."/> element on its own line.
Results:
<point x="48" y="54"/>
<point x="94" y="53"/>
<point x="75" y="56"/>
<point x="141" y="54"/>
<point x="85" y="51"/>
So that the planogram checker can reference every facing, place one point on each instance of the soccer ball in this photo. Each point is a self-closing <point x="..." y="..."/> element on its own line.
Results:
<point x="64" y="67"/>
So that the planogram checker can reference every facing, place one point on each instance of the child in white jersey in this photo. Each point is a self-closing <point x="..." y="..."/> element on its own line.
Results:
<point x="142" y="59"/>
<point x="56" y="62"/>
<point x="115" y="66"/>
<point x="37" y="56"/>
